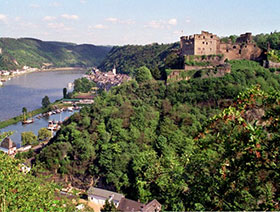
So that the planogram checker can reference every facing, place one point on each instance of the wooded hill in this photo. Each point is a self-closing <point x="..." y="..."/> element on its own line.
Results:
<point x="24" y="192"/>
<point x="34" y="53"/>
<point x="179" y="143"/>
<point x="126" y="58"/>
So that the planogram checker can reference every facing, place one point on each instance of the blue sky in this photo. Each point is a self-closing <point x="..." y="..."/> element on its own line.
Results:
<point x="119" y="22"/>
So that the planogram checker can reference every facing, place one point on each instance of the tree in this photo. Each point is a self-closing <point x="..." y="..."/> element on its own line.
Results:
<point x="25" y="192"/>
<point x="24" y="113"/>
<point x="45" y="102"/>
<point x="64" y="93"/>
<point x="109" y="206"/>
<point x="44" y="134"/>
<point x="142" y="74"/>
<point x="28" y="138"/>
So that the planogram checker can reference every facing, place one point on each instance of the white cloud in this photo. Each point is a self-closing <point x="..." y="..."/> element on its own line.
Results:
<point x="128" y="22"/>
<point x="70" y="17"/>
<point x="188" y="21"/>
<point x="83" y="1"/>
<point x="56" y="25"/>
<point x="172" y="21"/>
<point x="156" y="24"/>
<point x="99" y="26"/>
<point x="49" y="18"/>
<point x="34" y="5"/>
<point x="113" y="20"/>
<point x="3" y="17"/>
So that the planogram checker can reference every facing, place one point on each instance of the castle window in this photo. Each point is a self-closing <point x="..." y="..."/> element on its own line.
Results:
<point x="198" y="48"/>
<point x="234" y="47"/>
<point x="203" y="37"/>
<point x="227" y="50"/>
<point x="211" y="36"/>
<point x="203" y="49"/>
<point x="210" y="49"/>
<point x="206" y="43"/>
<point x="203" y="42"/>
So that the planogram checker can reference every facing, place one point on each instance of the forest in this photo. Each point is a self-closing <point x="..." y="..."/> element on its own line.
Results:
<point x="201" y="144"/>
<point x="35" y="53"/>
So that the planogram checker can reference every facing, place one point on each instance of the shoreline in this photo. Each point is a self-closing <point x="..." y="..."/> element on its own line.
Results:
<point x="34" y="70"/>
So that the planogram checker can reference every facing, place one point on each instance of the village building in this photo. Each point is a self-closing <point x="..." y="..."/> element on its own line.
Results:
<point x="209" y="44"/>
<point x="99" y="196"/>
<point x="106" y="80"/>
<point x="8" y="146"/>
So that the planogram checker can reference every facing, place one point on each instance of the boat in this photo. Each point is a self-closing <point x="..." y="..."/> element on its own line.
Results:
<point x="53" y="125"/>
<point x="28" y="121"/>
<point x="70" y="109"/>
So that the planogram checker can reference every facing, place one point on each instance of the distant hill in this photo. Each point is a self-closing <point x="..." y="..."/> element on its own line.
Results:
<point x="32" y="52"/>
<point x="128" y="57"/>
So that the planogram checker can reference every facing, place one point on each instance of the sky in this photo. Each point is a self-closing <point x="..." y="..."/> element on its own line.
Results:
<point x="121" y="22"/>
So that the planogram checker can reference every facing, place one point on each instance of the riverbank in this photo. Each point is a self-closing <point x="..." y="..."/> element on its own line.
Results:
<point x="19" y="118"/>
<point x="65" y="69"/>
<point x="33" y="70"/>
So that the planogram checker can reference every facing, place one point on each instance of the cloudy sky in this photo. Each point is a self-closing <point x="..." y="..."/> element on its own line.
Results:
<point x="119" y="22"/>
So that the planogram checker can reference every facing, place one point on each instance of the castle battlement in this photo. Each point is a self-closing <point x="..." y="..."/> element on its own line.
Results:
<point x="208" y="43"/>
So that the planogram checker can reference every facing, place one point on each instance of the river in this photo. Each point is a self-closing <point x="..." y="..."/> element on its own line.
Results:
<point x="27" y="91"/>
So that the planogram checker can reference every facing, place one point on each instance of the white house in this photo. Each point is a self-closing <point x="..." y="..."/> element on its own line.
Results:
<point x="8" y="146"/>
<point x="99" y="196"/>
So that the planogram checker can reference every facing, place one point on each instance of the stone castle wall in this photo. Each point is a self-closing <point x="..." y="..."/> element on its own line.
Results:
<point x="209" y="44"/>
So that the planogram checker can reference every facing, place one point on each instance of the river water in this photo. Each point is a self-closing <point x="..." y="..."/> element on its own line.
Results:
<point x="27" y="91"/>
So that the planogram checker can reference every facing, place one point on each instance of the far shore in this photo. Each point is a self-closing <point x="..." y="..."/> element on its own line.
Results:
<point x="44" y="70"/>
<point x="64" y="69"/>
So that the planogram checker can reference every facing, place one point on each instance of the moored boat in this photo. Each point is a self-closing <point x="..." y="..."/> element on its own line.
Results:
<point x="28" y="121"/>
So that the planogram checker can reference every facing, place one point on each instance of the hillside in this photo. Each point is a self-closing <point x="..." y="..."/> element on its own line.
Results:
<point x="24" y="192"/>
<point x="126" y="58"/>
<point x="154" y="141"/>
<point x="34" y="53"/>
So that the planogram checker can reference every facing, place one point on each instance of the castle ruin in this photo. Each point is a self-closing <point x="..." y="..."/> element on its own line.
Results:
<point x="209" y="44"/>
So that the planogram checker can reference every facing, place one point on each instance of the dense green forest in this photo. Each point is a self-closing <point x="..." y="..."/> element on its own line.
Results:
<point x="32" y="52"/>
<point x="179" y="143"/>
<point x="127" y="58"/>
<point x="24" y="192"/>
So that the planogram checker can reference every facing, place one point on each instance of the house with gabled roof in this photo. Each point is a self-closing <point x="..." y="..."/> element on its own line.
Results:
<point x="99" y="196"/>
<point x="8" y="146"/>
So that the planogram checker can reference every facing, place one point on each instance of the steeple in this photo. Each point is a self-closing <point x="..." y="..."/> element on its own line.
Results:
<point x="114" y="70"/>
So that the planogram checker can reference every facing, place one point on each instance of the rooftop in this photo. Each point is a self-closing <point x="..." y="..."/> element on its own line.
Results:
<point x="105" y="193"/>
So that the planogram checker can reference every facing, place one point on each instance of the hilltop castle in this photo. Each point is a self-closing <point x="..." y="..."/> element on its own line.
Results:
<point x="209" y="44"/>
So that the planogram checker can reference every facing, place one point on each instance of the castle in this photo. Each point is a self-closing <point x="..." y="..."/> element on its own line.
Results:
<point x="209" y="44"/>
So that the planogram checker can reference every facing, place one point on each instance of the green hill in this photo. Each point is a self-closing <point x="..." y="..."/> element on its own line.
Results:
<point x="34" y="53"/>
<point x="154" y="141"/>
<point x="126" y="58"/>
<point x="25" y="192"/>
